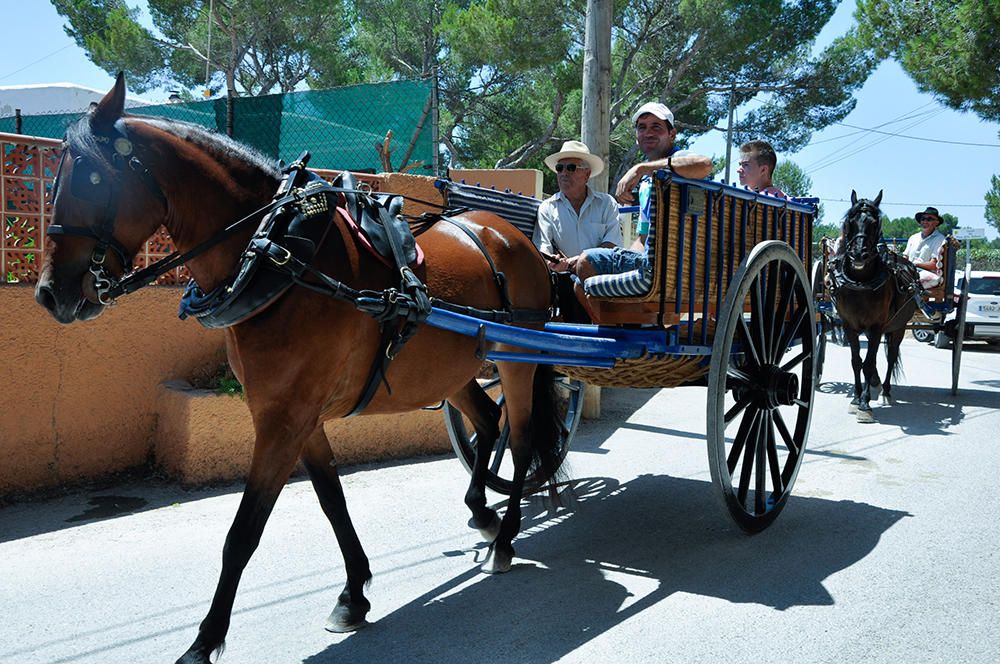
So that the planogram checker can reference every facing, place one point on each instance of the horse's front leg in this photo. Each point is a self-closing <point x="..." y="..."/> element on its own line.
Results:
<point x="277" y="445"/>
<point x="484" y="414"/>
<point x="352" y="605"/>
<point x="854" y="342"/>
<point x="871" y="378"/>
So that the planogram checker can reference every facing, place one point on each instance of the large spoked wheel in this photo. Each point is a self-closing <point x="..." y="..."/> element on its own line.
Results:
<point x="500" y="470"/>
<point x="956" y="349"/>
<point x="760" y="385"/>
<point x="823" y="327"/>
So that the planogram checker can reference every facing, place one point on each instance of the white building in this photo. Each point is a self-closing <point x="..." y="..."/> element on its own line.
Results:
<point x="43" y="98"/>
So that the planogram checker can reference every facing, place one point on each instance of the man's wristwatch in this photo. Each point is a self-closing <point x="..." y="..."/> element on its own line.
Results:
<point x="670" y="163"/>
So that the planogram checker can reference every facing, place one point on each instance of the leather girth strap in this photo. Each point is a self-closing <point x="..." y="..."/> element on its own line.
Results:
<point x="396" y="330"/>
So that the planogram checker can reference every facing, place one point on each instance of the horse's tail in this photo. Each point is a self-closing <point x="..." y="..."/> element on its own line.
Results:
<point x="546" y="433"/>
<point x="897" y="371"/>
<point x="897" y="368"/>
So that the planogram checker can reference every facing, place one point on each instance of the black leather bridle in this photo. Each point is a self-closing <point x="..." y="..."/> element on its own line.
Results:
<point x="863" y="246"/>
<point x="89" y="183"/>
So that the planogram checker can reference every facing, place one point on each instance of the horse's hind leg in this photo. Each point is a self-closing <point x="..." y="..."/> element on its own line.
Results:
<point x="352" y="606"/>
<point x="517" y="380"/>
<point x="484" y="414"/>
<point x="275" y="452"/>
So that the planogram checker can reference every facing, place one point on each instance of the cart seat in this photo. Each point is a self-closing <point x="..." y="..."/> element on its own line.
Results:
<point x="519" y="210"/>
<point x="633" y="283"/>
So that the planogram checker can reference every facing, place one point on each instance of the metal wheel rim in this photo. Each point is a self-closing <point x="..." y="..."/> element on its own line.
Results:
<point x="956" y="351"/>
<point x="463" y="442"/>
<point x="735" y="396"/>
<point x="824" y="323"/>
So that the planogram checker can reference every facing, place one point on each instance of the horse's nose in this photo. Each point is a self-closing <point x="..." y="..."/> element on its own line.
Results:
<point x="45" y="296"/>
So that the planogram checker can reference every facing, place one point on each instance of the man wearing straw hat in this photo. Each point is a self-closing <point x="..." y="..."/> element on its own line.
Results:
<point x="924" y="248"/>
<point x="577" y="217"/>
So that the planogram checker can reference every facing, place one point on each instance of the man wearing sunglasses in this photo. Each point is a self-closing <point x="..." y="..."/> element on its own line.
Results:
<point x="577" y="217"/>
<point x="655" y="135"/>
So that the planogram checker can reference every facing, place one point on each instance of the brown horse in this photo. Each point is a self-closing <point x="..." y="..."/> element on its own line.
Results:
<point x="872" y="292"/>
<point x="306" y="357"/>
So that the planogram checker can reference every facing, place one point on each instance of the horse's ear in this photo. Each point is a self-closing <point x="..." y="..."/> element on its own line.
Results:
<point x="111" y="107"/>
<point x="854" y="198"/>
<point x="878" y="199"/>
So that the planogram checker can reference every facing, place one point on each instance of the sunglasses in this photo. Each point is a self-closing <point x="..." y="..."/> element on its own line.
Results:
<point x="569" y="168"/>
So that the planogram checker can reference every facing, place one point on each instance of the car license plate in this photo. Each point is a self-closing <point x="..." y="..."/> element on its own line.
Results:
<point x="990" y="308"/>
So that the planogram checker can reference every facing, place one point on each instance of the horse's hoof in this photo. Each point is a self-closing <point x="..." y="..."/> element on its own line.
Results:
<point x="490" y="531"/>
<point x="888" y="400"/>
<point x="852" y="408"/>
<point x="866" y="417"/>
<point x="498" y="560"/>
<point x="193" y="658"/>
<point x="347" y="618"/>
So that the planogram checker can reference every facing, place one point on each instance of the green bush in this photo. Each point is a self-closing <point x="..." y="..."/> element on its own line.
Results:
<point x="983" y="258"/>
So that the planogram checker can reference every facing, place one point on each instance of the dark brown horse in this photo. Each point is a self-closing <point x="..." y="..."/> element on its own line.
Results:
<point x="873" y="294"/>
<point x="305" y="358"/>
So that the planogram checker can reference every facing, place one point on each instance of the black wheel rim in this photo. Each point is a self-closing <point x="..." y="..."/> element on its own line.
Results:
<point x="761" y="385"/>
<point x="956" y="351"/>
<point x="499" y="469"/>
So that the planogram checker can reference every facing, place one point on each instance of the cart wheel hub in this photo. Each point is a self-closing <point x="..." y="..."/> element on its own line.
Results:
<point x="782" y="387"/>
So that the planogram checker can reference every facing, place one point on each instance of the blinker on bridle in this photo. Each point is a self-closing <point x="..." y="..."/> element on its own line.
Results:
<point x="88" y="183"/>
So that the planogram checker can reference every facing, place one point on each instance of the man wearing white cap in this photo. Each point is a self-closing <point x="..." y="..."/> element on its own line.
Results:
<point x="655" y="135"/>
<point x="577" y="217"/>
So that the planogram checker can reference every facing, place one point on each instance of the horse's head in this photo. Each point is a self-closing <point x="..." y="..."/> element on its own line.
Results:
<point x="861" y="231"/>
<point x="105" y="205"/>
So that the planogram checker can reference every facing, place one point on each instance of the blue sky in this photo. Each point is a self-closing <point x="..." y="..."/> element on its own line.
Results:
<point x="914" y="169"/>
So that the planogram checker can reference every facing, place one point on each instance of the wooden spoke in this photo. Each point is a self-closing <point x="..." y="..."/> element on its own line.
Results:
<point x="777" y="484"/>
<point x="749" y="452"/>
<point x="779" y="421"/>
<point x="738" y="407"/>
<point x="747" y="341"/>
<point x="760" y="459"/>
<point x="742" y="435"/>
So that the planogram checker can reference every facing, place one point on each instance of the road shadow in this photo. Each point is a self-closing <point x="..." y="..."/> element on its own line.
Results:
<point x="617" y="550"/>
<point x="921" y="411"/>
<point x="54" y="510"/>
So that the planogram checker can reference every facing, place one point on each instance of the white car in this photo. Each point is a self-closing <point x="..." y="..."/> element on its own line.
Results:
<point x="982" y="316"/>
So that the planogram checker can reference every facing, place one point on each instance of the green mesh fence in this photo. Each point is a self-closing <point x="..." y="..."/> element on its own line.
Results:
<point x="339" y="126"/>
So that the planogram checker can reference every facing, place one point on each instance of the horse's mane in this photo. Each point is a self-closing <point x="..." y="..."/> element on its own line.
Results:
<point x="80" y="138"/>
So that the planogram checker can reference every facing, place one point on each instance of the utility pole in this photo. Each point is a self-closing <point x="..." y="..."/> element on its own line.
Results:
<point x="596" y="121"/>
<point x="596" y="117"/>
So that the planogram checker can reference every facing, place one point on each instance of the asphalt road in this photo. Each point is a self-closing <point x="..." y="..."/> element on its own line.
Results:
<point x="886" y="552"/>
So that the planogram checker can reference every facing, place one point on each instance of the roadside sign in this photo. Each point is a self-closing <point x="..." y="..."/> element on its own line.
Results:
<point x="969" y="233"/>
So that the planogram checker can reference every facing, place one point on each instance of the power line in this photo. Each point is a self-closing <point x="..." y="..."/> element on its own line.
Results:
<point x="883" y="203"/>
<point x="829" y="161"/>
<point x="905" y="117"/>
<point x="32" y="64"/>
<point x="920" y="138"/>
